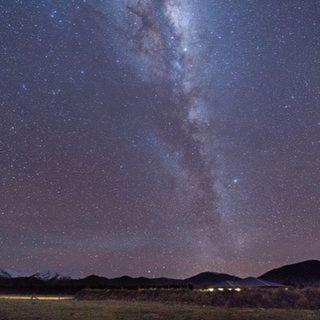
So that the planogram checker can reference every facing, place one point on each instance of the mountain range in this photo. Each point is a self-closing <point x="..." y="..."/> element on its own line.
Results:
<point x="45" y="276"/>
<point x="306" y="273"/>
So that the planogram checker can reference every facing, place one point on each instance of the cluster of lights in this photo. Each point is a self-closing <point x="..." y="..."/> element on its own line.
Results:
<point x="223" y="289"/>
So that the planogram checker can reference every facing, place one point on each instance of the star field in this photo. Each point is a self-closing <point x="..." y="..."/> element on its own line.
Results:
<point x="159" y="138"/>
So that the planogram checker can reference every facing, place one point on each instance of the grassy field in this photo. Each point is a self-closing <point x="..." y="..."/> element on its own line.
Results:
<point x="120" y="310"/>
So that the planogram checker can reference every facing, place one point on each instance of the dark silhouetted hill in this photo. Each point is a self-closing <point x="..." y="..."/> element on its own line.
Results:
<point x="302" y="274"/>
<point x="210" y="278"/>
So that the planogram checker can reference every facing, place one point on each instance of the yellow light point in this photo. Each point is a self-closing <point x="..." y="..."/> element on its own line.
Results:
<point x="220" y="289"/>
<point x="237" y="289"/>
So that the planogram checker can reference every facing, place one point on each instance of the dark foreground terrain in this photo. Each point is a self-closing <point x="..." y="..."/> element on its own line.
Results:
<point x="281" y="298"/>
<point x="120" y="310"/>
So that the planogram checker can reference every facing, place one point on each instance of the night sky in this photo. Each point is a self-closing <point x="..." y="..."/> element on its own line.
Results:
<point x="159" y="138"/>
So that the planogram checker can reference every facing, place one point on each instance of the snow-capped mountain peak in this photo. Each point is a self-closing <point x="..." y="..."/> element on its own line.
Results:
<point x="4" y="274"/>
<point x="49" y="275"/>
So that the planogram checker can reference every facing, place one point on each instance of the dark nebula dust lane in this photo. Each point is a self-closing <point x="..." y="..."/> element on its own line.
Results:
<point x="159" y="138"/>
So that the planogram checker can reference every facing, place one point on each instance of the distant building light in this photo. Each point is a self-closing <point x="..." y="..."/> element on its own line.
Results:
<point x="210" y="289"/>
<point x="220" y="289"/>
<point x="237" y="289"/>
